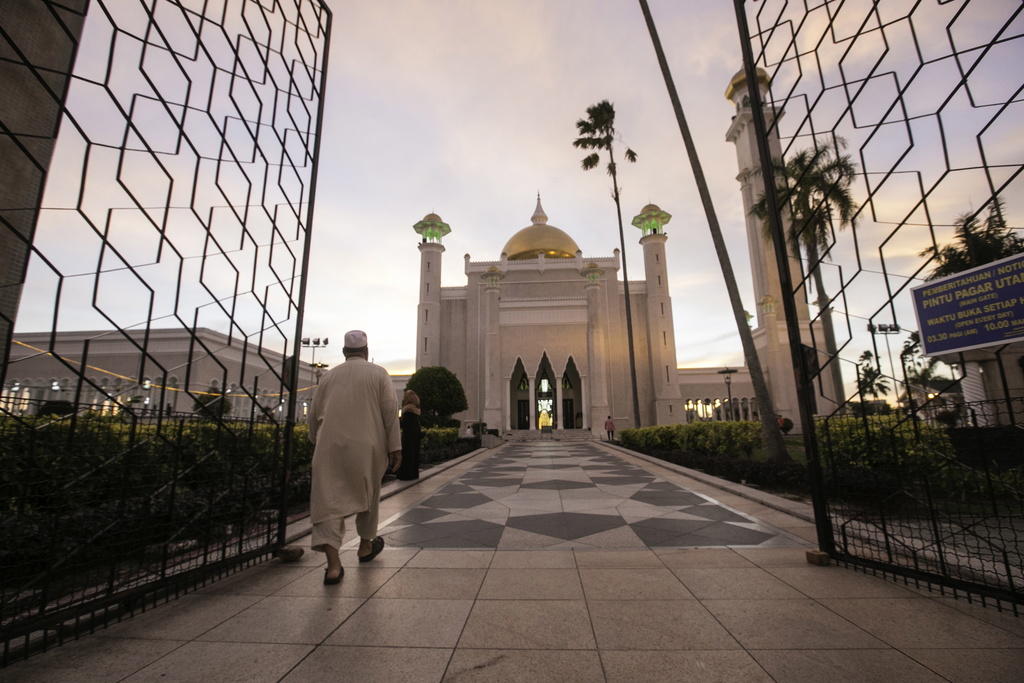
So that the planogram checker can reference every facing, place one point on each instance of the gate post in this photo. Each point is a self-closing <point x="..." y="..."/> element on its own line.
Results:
<point x="805" y="397"/>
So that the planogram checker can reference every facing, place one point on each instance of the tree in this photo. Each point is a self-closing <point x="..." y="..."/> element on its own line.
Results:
<point x="775" y="447"/>
<point x="815" y="186"/>
<point x="870" y="380"/>
<point x="976" y="243"/>
<point x="441" y="394"/>
<point x="924" y="375"/>
<point x="597" y="132"/>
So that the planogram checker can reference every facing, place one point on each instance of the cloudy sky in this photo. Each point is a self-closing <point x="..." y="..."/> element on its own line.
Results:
<point x="468" y="108"/>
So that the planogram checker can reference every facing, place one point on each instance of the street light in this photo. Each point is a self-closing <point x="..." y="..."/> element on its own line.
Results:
<point x="728" y="372"/>
<point x="315" y="343"/>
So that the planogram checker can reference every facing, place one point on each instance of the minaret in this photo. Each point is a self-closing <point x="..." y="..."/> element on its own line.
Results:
<point x="428" y="314"/>
<point x="770" y="337"/>
<point x="661" y="339"/>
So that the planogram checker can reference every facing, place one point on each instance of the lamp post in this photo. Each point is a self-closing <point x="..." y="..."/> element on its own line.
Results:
<point x="315" y="343"/>
<point x="728" y="372"/>
<point x="885" y="330"/>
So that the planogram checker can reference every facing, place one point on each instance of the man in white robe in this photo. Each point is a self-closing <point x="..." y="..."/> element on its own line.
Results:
<point x="353" y="425"/>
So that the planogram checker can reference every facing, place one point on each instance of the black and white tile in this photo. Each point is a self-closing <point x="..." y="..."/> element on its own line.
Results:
<point x="552" y="495"/>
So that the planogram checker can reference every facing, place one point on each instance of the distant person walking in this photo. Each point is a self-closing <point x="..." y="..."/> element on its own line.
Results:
<point x="609" y="426"/>
<point x="353" y="425"/>
<point x="411" y="436"/>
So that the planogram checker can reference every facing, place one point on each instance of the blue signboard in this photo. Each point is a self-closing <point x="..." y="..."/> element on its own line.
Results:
<point x="973" y="309"/>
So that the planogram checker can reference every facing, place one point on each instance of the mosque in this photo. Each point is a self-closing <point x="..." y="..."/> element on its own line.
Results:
<point x="538" y="337"/>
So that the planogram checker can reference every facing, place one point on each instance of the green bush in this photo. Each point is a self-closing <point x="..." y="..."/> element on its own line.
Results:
<point x="722" y="449"/>
<point x="434" y="437"/>
<point x="719" y="439"/>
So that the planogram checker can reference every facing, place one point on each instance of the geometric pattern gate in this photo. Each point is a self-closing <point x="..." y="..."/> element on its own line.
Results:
<point x="921" y="458"/>
<point x="154" y="233"/>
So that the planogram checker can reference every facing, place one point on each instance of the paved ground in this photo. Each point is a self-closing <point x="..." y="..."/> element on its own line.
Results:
<point x="548" y="495"/>
<point x="548" y="562"/>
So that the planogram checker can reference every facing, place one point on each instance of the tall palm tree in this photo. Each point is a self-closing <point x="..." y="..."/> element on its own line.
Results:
<point x="597" y="132"/>
<point x="775" y="447"/>
<point x="815" y="186"/>
<point x="974" y="243"/>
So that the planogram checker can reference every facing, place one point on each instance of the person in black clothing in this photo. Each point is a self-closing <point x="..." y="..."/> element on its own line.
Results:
<point x="411" y="435"/>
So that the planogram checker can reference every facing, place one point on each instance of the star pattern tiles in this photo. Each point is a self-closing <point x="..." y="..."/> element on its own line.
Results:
<point x="553" y="495"/>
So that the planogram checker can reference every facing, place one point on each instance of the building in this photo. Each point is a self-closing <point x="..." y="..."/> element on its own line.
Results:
<point x="178" y="369"/>
<point x="538" y="336"/>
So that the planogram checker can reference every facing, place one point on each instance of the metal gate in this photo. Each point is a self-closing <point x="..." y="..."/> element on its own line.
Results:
<point x="151" y="297"/>
<point x="905" y="120"/>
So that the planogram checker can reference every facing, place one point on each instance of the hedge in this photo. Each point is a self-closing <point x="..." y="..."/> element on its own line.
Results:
<point x="718" y="439"/>
<point x="862" y="457"/>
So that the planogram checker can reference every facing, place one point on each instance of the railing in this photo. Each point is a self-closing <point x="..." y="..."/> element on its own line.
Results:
<point x="170" y="247"/>
<point x="914" y="100"/>
<point x="104" y="513"/>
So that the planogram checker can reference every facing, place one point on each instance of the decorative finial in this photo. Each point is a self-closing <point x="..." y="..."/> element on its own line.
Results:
<point x="539" y="217"/>
<point x="432" y="228"/>
<point x="652" y="219"/>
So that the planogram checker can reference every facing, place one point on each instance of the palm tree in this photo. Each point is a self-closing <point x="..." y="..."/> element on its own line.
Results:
<point x="815" y="185"/>
<point x="775" y="447"/>
<point x="597" y="132"/>
<point x="870" y="380"/>
<point x="975" y="244"/>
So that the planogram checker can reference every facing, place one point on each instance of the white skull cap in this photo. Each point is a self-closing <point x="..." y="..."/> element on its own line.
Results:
<point x="355" y="339"/>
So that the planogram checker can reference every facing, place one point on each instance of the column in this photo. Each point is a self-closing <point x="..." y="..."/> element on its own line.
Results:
<point x="533" y="403"/>
<point x="558" y="402"/>
<point x="492" y="348"/>
<point x="595" y="397"/>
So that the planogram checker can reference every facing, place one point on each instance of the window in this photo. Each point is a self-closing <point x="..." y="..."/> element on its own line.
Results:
<point x="663" y="308"/>
<point x="424" y="343"/>
<point x="664" y="338"/>
<point x="428" y="288"/>
<point x="524" y="384"/>
<point x="669" y="408"/>
<point x="428" y="266"/>
<point x="666" y="374"/>
<point x="426" y="315"/>
<point x="659" y="281"/>
<point x="657" y="258"/>
<point x="566" y="382"/>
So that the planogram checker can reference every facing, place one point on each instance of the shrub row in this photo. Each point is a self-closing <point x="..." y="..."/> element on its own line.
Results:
<point x="862" y="457"/>
<point x="718" y="439"/>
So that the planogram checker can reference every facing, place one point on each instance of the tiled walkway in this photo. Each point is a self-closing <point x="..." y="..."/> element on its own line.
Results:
<point x="549" y="495"/>
<point x="549" y="562"/>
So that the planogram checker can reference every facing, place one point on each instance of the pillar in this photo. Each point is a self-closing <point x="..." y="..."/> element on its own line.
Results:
<point x="558" y="403"/>
<point x="533" y="403"/>
<point x="428" y="322"/>
<point x="595" y="395"/>
<point x="492" y="349"/>
<point x="770" y="337"/>
<point x="661" y="336"/>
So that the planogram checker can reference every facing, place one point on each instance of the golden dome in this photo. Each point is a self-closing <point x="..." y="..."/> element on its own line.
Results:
<point x="740" y="81"/>
<point x="540" y="238"/>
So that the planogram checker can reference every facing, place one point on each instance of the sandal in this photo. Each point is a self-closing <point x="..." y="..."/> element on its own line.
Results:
<point x="328" y="581"/>
<point x="376" y="545"/>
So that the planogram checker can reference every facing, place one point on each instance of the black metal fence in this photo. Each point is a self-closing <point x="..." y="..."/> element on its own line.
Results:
<point x="169" y="249"/>
<point x="920" y="103"/>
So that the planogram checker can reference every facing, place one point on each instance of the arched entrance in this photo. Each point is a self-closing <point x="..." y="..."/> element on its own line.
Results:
<point x="571" y="397"/>
<point x="519" y="397"/>
<point x="544" y="395"/>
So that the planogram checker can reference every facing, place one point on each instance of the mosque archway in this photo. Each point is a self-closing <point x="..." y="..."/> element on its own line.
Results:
<point x="571" y="401"/>
<point x="519" y="397"/>
<point x="545" y="395"/>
